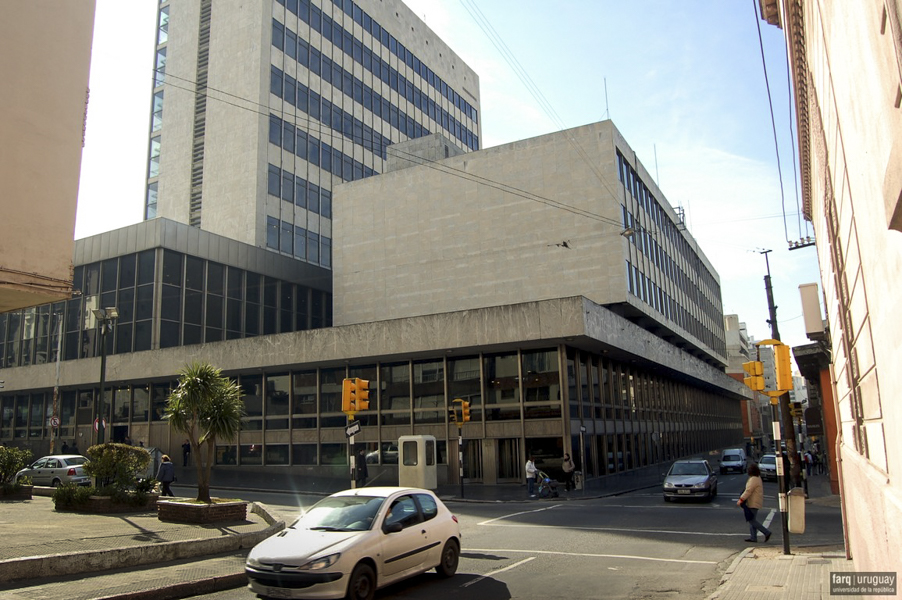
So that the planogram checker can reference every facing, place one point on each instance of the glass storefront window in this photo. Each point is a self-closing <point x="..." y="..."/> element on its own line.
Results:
<point x="251" y="454"/>
<point x="464" y="383"/>
<point x="502" y="387"/>
<point x="141" y="404"/>
<point x="252" y="388"/>
<point x="330" y="398"/>
<point x="277" y="396"/>
<point x="303" y="454"/>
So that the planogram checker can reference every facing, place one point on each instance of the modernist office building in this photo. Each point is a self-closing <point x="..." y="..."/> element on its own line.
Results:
<point x="261" y="108"/>
<point x="579" y="316"/>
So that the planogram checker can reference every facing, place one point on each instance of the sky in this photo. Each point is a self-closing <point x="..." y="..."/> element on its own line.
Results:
<point x="683" y="81"/>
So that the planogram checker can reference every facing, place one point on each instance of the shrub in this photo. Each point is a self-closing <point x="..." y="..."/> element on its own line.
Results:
<point x="69" y="495"/>
<point x="12" y="460"/>
<point x="117" y="465"/>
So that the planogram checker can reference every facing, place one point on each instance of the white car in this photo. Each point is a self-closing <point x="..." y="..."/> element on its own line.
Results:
<point x="354" y="542"/>
<point x="57" y="469"/>
<point x="768" y="467"/>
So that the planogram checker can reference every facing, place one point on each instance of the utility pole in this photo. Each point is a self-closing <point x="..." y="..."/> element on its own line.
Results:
<point x="777" y="410"/>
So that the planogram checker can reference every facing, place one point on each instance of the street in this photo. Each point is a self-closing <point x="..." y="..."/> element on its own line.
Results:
<point x="630" y="546"/>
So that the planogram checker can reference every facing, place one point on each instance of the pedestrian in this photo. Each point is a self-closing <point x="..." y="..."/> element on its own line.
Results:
<point x="127" y="441"/>
<point x="568" y="467"/>
<point x="166" y="475"/>
<point x="360" y="471"/>
<point x="531" y="477"/>
<point x="186" y="453"/>
<point x="751" y="500"/>
<point x="808" y="462"/>
<point x="65" y="448"/>
<point x="73" y="448"/>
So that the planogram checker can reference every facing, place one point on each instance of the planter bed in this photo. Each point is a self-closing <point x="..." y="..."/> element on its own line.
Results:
<point x="193" y="512"/>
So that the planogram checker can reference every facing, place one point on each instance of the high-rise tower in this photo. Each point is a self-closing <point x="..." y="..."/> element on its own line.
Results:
<point x="260" y="108"/>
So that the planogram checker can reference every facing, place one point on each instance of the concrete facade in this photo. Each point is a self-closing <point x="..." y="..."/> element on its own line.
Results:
<point x="462" y="233"/>
<point x="846" y="59"/>
<point x="225" y="80"/>
<point x="43" y="106"/>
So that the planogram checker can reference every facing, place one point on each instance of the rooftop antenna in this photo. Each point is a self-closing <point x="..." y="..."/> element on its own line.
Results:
<point x="607" y="112"/>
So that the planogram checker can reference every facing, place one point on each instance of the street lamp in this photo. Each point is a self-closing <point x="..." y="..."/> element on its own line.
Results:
<point x="105" y="318"/>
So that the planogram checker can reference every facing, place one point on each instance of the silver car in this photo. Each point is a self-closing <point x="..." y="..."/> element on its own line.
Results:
<point x="690" y="479"/>
<point x="768" y="467"/>
<point x="57" y="469"/>
<point x="354" y="542"/>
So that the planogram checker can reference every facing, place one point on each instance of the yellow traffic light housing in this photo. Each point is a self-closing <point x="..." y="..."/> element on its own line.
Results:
<point x="355" y="394"/>
<point x="464" y="411"/>
<point x="783" y="367"/>
<point x="755" y="378"/>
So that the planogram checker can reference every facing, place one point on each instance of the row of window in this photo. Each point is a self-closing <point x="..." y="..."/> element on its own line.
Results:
<point x="296" y="48"/>
<point x="615" y="400"/>
<point x="320" y="22"/>
<point x="298" y="242"/>
<point x="318" y="153"/>
<point x="308" y="101"/>
<point x="290" y="188"/>
<point x="200" y="301"/>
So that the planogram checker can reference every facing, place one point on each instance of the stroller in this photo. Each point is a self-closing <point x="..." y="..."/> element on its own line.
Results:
<point x="547" y="485"/>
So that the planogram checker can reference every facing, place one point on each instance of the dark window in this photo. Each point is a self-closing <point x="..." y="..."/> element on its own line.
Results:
<point x="273" y="181"/>
<point x="272" y="232"/>
<point x="214" y="278"/>
<point x="127" y="270"/>
<point x="194" y="273"/>
<point x="172" y="267"/>
<point x="169" y="334"/>
<point x="235" y="278"/>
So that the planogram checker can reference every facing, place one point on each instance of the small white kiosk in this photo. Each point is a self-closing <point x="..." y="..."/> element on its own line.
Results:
<point x="416" y="463"/>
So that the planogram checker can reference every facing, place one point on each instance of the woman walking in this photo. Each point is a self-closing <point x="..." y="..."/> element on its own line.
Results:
<point x="166" y="475"/>
<point x="751" y="500"/>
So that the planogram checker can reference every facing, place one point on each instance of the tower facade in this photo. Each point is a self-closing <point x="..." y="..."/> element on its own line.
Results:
<point x="260" y="108"/>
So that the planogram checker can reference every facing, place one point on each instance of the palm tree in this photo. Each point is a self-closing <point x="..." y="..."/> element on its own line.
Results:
<point x="207" y="407"/>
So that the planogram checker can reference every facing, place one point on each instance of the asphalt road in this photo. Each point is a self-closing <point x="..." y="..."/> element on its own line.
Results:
<point x="632" y="546"/>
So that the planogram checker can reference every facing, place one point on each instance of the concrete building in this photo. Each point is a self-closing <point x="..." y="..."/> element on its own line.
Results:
<point x="261" y="108"/>
<point x="739" y="351"/>
<point x="845" y="61"/>
<point x="565" y="214"/>
<point x="43" y="103"/>
<point x="623" y="386"/>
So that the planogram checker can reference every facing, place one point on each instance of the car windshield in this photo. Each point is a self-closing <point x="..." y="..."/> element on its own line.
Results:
<point x="731" y="457"/>
<point x="768" y="460"/>
<point x="341" y="513"/>
<point x="688" y="469"/>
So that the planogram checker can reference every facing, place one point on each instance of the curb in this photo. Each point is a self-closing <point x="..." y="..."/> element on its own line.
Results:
<point x="75" y="563"/>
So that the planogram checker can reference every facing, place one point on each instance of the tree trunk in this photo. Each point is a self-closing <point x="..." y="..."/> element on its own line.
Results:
<point x="204" y="467"/>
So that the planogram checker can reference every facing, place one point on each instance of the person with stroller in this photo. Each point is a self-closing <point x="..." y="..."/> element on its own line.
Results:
<point x="531" y="477"/>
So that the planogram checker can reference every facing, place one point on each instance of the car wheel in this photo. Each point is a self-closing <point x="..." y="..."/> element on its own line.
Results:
<point x="362" y="585"/>
<point x="55" y="483"/>
<point x="666" y="499"/>
<point x="450" y="558"/>
<point x="714" y="492"/>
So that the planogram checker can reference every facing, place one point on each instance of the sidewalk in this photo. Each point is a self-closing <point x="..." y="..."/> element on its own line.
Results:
<point x="187" y="560"/>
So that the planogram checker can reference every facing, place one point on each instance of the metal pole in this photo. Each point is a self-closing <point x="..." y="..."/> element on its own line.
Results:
<point x="100" y="419"/>
<point x="775" y="415"/>
<point x="353" y="457"/>
<point x="56" y="387"/>
<point x="460" y="456"/>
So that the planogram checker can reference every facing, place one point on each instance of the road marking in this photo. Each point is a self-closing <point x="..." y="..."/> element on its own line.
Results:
<point x="613" y="529"/>
<point x="590" y="555"/>
<point x="496" y="571"/>
<point x="517" y="514"/>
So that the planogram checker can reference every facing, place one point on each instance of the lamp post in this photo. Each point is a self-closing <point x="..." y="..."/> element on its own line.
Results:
<point x="105" y="318"/>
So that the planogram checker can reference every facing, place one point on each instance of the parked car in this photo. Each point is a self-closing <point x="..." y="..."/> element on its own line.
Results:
<point x="389" y="454"/>
<point x="690" y="479"/>
<point x="768" y="467"/>
<point x="56" y="469"/>
<point x="354" y="542"/>
<point x="733" y="459"/>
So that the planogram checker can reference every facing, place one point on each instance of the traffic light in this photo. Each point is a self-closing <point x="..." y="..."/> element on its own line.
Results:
<point x="795" y="409"/>
<point x="361" y="394"/>
<point x="755" y="378"/>
<point x="464" y="411"/>
<point x="355" y="394"/>
<point x="783" y="367"/>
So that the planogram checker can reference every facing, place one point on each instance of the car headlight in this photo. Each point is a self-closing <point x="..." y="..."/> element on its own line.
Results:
<point x="668" y="484"/>
<point x="700" y="485"/>
<point x="320" y="563"/>
<point x="253" y="562"/>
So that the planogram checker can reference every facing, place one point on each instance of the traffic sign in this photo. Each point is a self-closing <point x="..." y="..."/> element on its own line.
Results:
<point x="353" y="428"/>
<point x="54" y="421"/>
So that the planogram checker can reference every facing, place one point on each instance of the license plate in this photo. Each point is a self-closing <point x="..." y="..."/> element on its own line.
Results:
<point x="682" y="491"/>
<point x="274" y="592"/>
